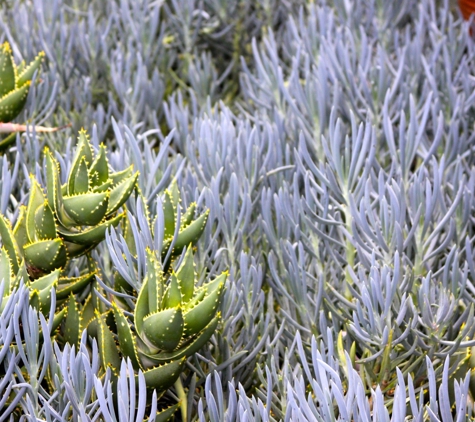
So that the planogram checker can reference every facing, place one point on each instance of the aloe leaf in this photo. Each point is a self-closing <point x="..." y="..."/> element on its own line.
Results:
<point x="187" y="217"/>
<point x="120" y="193"/>
<point x="126" y="338"/>
<point x="44" y="297"/>
<point x="66" y="286"/>
<point x="12" y="103"/>
<point x="36" y="200"/>
<point x="45" y="282"/>
<point x="141" y="307"/>
<point x="99" y="170"/>
<point x="164" y="376"/>
<point x="91" y="236"/>
<point x="7" y="70"/>
<point x="164" y="329"/>
<point x="87" y="209"/>
<point x="9" y="243"/>
<point x="165" y="415"/>
<point x="172" y="297"/>
<point x="74" y="250"/>
<point x="19" y="231"/>
<point x="169" y="215"/>
<point x="45" y="255"/>
<point x="154" y="282"/>
<point x="45" y="223"/>
<point x="186" y="276"/>
<point x="107" y="347"/>
<point x="189" y="349"/>
<point x="72" y="330"/>
<point x="83" y="152"/>
<point x="80" y="179"/>
<point x="6" y="273"/>
<point x="27" y="73"/>
<point x="203" y="312"/>
<point x="119" y="176"/>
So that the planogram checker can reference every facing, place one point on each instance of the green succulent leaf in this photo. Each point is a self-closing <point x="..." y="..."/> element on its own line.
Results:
<point x="107" y="347"/>
<point x="73" y="285"/>
<point x="87" y="209"/>
<point x="7" y="70"/>
<point x="80" y="179"/>
<point x="202" y="313"/>
<point x="169" y="215"/>
<point x="141" y="307"/>
<point x="19" y="231"/>
<point x="44" y="297"/>
<point x="92" y="236"/>
<point x="99" y="170"/>
<point x="120" y="193"/>
<point x="72" y="329"/>
<point x="36" y="200"/>
<point x="119" y="176"/>
<point x="12" y="103"/>
<point x="163" y="377"/>
<point x="191" y="347"/>
<point x="27" y="73"/>
<point x="165" y="415"/>
<point x="126" y="338"/>
<point x="6" y="271"/>
<point x="187" y="217"/>
<point x="154" y="283"/>
<point x="45" y="255"/>
<point x="45" y="223"/>
<point x="9" y="243"/>
<point x="172" y="297"/>
<point x="46" y="282"/>
<point x="186" y="276"/>
<point x="164" y="329"/>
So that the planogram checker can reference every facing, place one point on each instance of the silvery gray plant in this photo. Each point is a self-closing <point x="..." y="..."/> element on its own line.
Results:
<point x="339" y="180"/>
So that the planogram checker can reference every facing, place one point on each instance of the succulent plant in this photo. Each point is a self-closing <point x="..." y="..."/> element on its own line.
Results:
<point x="172" y="319"/>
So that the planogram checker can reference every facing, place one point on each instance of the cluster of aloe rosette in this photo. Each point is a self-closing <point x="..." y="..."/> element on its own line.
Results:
<point x="157" y="326"/>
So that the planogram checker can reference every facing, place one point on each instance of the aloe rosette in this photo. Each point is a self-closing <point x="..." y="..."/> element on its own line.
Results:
<point x="62" y="223"/>
<point x="171" y="319"/>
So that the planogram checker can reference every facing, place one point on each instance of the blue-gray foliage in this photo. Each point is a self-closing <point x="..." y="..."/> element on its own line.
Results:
<point x="333" y="143"/>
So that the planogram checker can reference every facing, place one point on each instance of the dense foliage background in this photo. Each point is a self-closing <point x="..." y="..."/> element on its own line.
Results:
<point x="332" y="142"/>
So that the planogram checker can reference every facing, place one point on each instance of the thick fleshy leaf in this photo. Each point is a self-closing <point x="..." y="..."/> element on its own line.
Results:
<point x="7" y="70"/>
<point x="9" y="243"/>
<point x="45" y="223"/>
<point x="74" y="285"/>
<point x="187" y="217"/>
<point x="166" y="414"/>
<point x="164" y="376"/>
<point x="107" y="347"/>
<point x="45" y="255"/>
<point x="92" y="236"/>
<point x="155" y="283"/>
<point x="203" y="312"/>
<point x="172" y="297"/>
<point x="191" y="347"/>
<point x="83" y="152"/>
<point x="12" y="103"/>
<point x="87" y="209"/>
<point x="19" y="230"/>
<point x="44" y="297"/>
<point x="36" y="200"/>
<point x="120" y="176"/>
<point x="99" y="170"/>
<point x="72" y="329"/>
<point x="126" y="338"/>
<point x="6" y="271"/>
<point x="186" y="276"/>
<point x="141" y="307"/>
<point x="164" y="329"/>
<point x="80" y="182"/>
<point x="169" y="215"/>
<point x="46" y="282"/>
<point x="120" y="193"/>
<point x="27" y="73"/>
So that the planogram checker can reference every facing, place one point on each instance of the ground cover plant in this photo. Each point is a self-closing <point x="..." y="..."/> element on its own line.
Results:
<point x="285" y="187"/>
